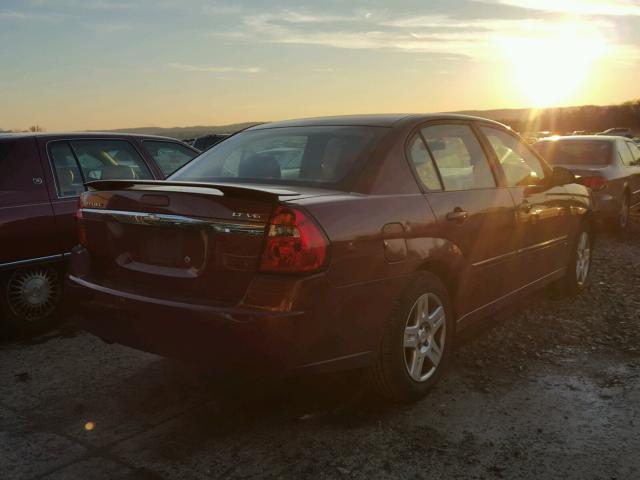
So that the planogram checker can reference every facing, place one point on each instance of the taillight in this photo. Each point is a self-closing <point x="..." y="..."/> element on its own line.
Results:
<point x="594" y="183"/>
<point x="82" y="233"/>
<point x="295" y="243"/>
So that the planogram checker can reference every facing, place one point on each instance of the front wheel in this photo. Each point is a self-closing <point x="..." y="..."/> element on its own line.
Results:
<point x="578" y="272"/>
<point x="417" y="342"/>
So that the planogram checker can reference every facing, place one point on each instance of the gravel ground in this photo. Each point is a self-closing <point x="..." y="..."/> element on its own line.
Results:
<point x="548" y="389"/>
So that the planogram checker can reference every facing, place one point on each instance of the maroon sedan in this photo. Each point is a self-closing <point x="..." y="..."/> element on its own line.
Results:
<point x="330" y="243"/>
<point x="41" y="176"/>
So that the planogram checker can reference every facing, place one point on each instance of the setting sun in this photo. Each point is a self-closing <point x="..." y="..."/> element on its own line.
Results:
<point x="553" y="68"/>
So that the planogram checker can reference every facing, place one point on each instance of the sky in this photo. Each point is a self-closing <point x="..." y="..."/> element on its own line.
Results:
<point x="102" y="64"/>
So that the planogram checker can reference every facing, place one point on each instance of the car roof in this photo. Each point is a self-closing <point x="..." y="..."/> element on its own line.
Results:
<point x="600" y="138"/>
<point x="72" y="135"/>
<point x="377" y="120"/>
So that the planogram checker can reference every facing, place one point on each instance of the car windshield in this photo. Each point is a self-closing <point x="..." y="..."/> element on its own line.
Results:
<point x="575" y="152"/>
<point x="292" y="155"/>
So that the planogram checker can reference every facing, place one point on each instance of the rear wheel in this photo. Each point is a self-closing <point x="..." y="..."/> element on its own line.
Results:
<point x="417" y="341"/>
<point x="621" y="221"/>
<point x="31" y="296"/>
<point x="578" y="272"/>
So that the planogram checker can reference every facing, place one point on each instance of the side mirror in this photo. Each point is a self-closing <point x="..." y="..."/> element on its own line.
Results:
<point x="562" y="176"/>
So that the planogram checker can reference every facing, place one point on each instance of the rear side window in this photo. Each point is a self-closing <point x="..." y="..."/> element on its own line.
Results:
<point x="109" y="160"/>
<point x="169" y="156"/>
<point x="69" y="180"/>
<point x="625" y="154"/>
<point x="423" y="163"/>
<point x="521" y="167"/>
<point x="459" y="157"/>
<point x="294" y="155"/>
<point x="575" y="152"/>
<point x="635" y="153"/>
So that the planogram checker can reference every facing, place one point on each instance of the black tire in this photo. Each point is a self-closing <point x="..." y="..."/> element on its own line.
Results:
<point x="19" y="317"/>
<point x="620" y="222"/>
<point x="573" y="283"/>
<point x="389" y="373"/>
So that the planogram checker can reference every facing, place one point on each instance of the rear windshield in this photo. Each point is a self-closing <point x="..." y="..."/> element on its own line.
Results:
<point x="575" y="152"/>
<point x="293" y="155"/>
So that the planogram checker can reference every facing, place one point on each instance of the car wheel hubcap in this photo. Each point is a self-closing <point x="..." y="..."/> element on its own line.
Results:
<point x="32" y="294"/>
<point x="424" y="337"/>
<point x="624" y="213"/>
<point x="583" y="258"/>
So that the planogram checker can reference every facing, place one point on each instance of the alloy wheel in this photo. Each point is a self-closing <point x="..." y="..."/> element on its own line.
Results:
<point x="32" y="294"/>
<point x="624" y="213"/>
<point x="424" y="337"/>
<point x="583" y="258"/>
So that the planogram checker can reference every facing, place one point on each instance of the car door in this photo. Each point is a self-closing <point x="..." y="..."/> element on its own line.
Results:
<point x="76" y="161"/>
<point x="544" y="221"/>
<point x="634" y="174"/>
<point x="473" y="212"/>
<point x="27" y="227"/>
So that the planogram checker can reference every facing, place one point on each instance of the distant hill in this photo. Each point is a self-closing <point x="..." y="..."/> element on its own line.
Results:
<point x="186" y="132"/>
<point x="593" y="118"/>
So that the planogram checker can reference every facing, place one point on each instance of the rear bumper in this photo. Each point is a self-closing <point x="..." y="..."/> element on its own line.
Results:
<point x="333" y="331"/>
<point x="220" y="338"/>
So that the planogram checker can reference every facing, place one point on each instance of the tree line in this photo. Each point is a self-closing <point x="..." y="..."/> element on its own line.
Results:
<point x="590" y="118"/>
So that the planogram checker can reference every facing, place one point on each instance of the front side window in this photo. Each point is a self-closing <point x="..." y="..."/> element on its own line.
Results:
<point x="169" y="156"/>
<point x="459" y="157"/>
<point x="69" y="180"/>
<point x="521" y="167"/>
<point x="109" y="160"/>
<point x="293" y="155"/>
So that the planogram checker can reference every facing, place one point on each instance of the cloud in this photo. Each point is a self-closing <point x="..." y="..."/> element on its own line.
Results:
<point x="18" y="15"/>
<point x="213" y="69"/>
<point x="438" y="34"/>
<point x="580" y="7"/>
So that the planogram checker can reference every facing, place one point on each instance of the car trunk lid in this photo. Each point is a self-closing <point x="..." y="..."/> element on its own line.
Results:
<point x="197" y="242"/>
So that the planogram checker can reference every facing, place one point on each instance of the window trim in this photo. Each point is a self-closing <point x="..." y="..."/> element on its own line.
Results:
<point x="497" y="178"/>
<point x="80" y="138"/>
<point x="548" y="170"/>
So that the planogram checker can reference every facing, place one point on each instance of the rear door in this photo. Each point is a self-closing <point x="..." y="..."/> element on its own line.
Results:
<point x="543" y="210"/>
<point x="27" y="228"/>
<point x="74" y="162"/>
<point x="473" y="212"/>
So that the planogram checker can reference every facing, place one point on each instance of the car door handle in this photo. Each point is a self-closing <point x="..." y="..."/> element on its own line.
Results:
<point x="525" y="207"/>
<point x="458" y="215"/>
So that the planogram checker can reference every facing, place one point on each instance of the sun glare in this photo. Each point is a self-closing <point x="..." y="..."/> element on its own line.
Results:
<point x="552" y="67"/>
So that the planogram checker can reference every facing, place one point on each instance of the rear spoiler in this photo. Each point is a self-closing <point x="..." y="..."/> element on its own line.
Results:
<point x="258" y="192"/>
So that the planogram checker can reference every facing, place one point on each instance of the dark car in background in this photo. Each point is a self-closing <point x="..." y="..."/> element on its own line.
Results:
<point x="207" y="141"/>
<point x="330" y="243"/>
<point x="609" y="166"/>
<point x="618" y="132"/>
<point x="41" y="177"/>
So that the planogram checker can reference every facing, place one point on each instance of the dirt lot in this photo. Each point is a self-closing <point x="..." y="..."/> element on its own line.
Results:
<point x="550" y="390"/>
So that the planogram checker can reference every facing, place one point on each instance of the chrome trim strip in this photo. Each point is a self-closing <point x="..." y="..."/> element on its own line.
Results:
<point x="494" y="259"/>
<point x="31" y="261"/>
<point x="337" y="359"/>
<point x="511" y="293"/>
<point x="177" y="221"/>
<point x="546" y="243"/>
